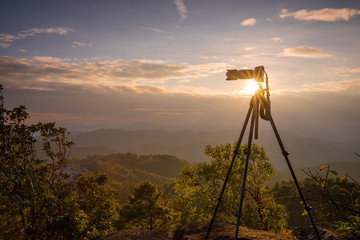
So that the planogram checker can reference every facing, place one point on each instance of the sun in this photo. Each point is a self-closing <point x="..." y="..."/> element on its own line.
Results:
<point x="251" y="87"/>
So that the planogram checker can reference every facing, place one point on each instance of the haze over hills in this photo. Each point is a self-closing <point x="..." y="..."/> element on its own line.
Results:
<point x="127" y="169"/>
<point x="189" y="145"/>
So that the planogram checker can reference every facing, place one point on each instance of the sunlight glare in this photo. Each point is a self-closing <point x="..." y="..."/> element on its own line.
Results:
<point x="251" y="87"/>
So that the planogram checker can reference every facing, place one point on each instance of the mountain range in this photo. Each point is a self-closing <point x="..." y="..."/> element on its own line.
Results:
<point x="190" y="145"/>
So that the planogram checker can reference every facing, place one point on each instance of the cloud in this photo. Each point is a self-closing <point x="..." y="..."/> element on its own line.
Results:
<point x="80" y="44"/>
<point x="181" y="9"/>
<point x="4" y="45"/>
<point x="325" y="15"/>
<point x="259" y="54"/>
<point x="226" y="39"/>
<point x="160" y="31"/>
<point x="333" y="86"/>
<point x="249" y="48"/>
<point x="347" y="70"/>
<point x="157" y="30"/>
<point x="48" y="87"/>
<point x="305" y="52"/>
<point x="35" y="31"/>
<point x="248" y="22"/>
<point x="277" y="39"/>
<point x="49" y="72"/>
<point x="210" y="57"/>
<point x="6" y="38"/>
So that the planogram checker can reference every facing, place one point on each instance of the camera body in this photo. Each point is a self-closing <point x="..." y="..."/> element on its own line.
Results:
<point x="257" y="73"/>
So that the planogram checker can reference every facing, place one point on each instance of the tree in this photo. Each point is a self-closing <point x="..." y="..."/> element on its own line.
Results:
<point x="198" y="188"/>
<point x="335" y="201"/>
<point x="147" y="210"/>
<point x="38" y="199"/>
<point x="95" y="199"/>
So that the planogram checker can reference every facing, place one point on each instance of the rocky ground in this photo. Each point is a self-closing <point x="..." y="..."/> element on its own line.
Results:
<point x="225" y="231"/>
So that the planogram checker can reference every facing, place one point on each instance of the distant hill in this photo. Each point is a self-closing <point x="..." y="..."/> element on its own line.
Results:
<point x="127" y="169"/>
<point x="189" y="145"/>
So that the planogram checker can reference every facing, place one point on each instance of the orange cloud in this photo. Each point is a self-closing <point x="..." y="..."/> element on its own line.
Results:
<point x="49" y="72"/>
<point x="326" y="14"/>
<point x="5" y="38"/>
<point x="248" y="22"/>
<point x="304" y="52"/>
<point x="276" y="39"/>
<point x="333" y="86"/>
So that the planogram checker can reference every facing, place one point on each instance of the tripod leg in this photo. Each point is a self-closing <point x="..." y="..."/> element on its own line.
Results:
<point x="256" y="113"/>
<point x="285" y="154"/>
<point x="243" y="183"/>
<point x="230" y="167"/>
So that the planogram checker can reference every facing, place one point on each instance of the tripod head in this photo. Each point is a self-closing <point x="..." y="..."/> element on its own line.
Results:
<point x="258" y="74"/>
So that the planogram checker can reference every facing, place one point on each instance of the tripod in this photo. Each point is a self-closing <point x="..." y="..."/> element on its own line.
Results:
<point x="259" y="105"/>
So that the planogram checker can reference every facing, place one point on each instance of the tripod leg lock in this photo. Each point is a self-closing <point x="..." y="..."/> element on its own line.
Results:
<point x="308" y="208"/>
<point x="285" y="153"/>
<point x="238" y="214"/>
<point x="247" y="151"/>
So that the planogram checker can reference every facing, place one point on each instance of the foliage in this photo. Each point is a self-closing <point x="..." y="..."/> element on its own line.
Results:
<point x="352" y="224"/>
<point x="335" y="201"/>
<point x="95" y="198"/>
<point x="38" y="198"/>
<point x="146" y="209"/>
<point x="198" y="188"/>
<point x="340" y="195"/>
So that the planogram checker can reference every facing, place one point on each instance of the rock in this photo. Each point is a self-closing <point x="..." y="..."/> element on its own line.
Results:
<point x="308" y="233"/>
<point x="225" y="231"/>
<point x="139" y="235"/>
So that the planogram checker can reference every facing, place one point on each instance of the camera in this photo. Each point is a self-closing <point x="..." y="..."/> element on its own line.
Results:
<point x="257" y="73"/>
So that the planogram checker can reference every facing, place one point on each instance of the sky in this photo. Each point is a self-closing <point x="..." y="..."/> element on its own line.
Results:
<point x="88" y="64"/>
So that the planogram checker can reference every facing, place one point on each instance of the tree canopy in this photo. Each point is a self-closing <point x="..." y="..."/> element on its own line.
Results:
<point x="40" y="197"/>
<point x="198" y="188"/>
<point x="146" y="209"/>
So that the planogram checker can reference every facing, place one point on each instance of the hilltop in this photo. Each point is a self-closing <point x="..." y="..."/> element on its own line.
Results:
<point x="225" y="231"/>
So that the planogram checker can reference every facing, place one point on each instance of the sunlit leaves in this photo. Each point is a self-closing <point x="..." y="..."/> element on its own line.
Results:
<point x="198" y="188"/>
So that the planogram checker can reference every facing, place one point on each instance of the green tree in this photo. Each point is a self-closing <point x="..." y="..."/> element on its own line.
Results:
<point x="198" y="188"/>
<point x="146" y="209"/>
<point x="95" y="198"/>
<point x="38" y="200"/>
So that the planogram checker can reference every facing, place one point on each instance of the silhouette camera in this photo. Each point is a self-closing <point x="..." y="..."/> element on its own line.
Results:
<point x="257" y="73"/>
